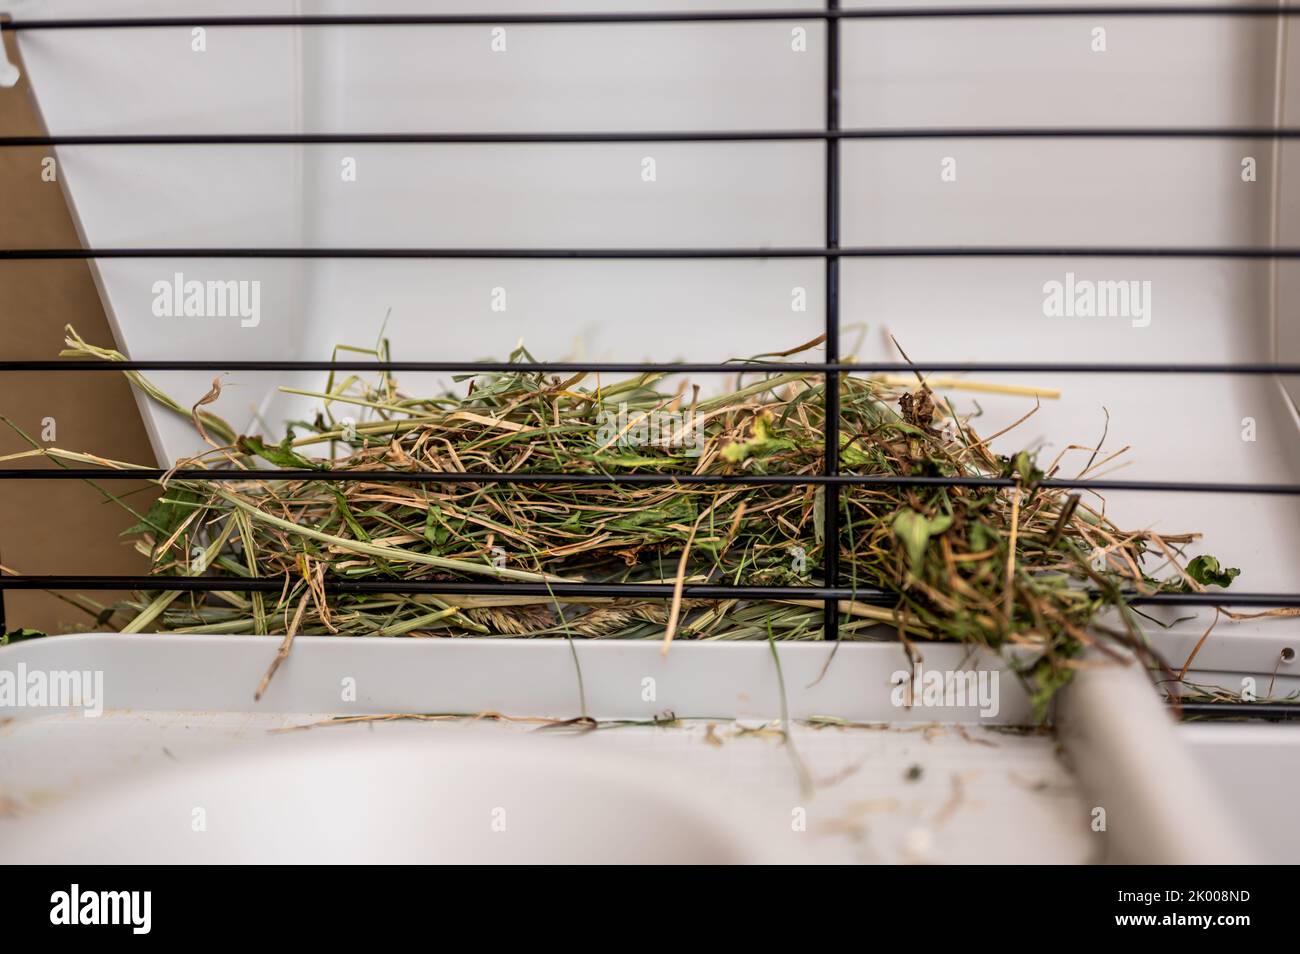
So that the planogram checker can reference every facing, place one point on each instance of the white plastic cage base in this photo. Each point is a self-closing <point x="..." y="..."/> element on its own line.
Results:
<point x="908" y="794"/>
<point x="1117" y="735"/>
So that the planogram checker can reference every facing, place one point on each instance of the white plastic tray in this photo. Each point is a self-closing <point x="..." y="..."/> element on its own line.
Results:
<point x="193" y="695"/>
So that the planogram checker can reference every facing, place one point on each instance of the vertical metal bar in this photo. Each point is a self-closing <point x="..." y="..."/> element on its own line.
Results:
<point x="831" y="498"/>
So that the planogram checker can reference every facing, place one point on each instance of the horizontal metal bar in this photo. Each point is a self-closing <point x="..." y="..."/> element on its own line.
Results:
<point x="1224" y="598"/>
<point x="681" y="16"/>
<point x="457" y="588"/>
<point x="635" y="367"/>
<point x="1281" y="711"/>
<point x="715" y="135"/>
<point x="590" y="589"/>
<point x="901" y="251"/>
<point x="497" y="477"/>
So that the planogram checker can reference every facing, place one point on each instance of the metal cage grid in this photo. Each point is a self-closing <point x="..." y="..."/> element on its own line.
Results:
<point x="831" y="590"/>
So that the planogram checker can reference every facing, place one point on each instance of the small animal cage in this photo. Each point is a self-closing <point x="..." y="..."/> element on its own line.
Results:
<point x="1097" y="197"/>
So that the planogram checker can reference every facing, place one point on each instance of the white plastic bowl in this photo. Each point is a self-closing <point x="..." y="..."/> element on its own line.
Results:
<point x="328" y="800"/>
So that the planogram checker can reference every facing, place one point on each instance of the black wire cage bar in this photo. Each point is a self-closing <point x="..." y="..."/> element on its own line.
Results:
<point x="828" y="252"/>
<point x="638" y="367"/>
<point x="630" y="480"/>
<point x="557" y="588"/>
<point x="831" y="13"/>
<point x="831" y="591"/>
<point x="689" y="136"/>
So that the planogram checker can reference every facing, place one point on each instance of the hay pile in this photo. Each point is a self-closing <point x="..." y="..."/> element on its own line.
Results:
<point x="999" y="567"/>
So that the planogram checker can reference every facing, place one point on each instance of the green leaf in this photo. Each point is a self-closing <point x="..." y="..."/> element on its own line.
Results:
<point x="1205" y="570"/>
<point x="281" y="455"/>
<point x="166" y="513"/>
<point x="18" y="635"/>
<point x="761" y="443"/>
<point x="854" y="454"/>
<point x="914" y="531"/>
<point x="1023" y="466"/>
<point x="680" y="510"/>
